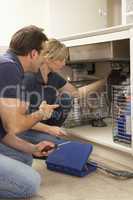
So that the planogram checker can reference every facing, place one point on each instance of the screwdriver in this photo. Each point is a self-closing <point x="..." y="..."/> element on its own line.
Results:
<point x="56" y="146"/>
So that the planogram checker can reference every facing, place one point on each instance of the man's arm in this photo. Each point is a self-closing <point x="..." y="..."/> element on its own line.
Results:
<point x="52" y="130"/>
<point x="17" y="143"/>
<point x="14" y="117"/>
<point x="24" y="146"/>
<point x="12" y="109"/>
<point x="41" y="127"/>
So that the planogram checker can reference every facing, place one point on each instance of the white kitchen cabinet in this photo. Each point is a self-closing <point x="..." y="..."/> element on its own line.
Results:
<point x="127" y="11"/>
<point x="69" y="17"/>
<point x="99" y="135"/>
<point x="114" y="12"/>
<point x="119" y="12"/>
<point x="80" y="16"/>
<point x="76" y="16"/>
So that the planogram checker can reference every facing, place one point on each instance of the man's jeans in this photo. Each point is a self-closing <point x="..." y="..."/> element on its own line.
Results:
<point x="17" y="178"/>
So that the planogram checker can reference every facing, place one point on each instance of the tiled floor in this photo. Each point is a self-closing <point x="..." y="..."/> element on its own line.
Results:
<point x="97" y="186"/>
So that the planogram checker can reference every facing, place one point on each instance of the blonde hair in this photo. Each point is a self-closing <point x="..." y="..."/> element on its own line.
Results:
<point x="55" y="50"/>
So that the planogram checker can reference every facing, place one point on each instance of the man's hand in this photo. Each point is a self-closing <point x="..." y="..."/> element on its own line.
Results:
<point x="39" y="149"/>
<point x="47" y="109"/>
<point x="24" y="146"/>
<point x="56" y="131"/>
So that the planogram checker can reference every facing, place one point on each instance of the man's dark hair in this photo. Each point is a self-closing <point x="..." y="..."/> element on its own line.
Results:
<point x="27" y="39"/>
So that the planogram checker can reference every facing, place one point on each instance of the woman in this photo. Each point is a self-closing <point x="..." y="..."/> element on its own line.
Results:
<point x="48" y="85"/>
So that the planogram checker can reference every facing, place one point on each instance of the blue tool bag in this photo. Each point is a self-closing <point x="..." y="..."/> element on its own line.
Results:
<point x="71" y="158"/>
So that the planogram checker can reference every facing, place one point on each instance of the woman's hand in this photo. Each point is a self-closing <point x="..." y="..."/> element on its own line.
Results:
<point x="56" y="131"/>
<point x="39" y="149"/>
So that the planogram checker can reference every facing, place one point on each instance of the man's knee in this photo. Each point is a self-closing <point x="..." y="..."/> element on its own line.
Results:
<point x="28" y="184"/>
<point x="32" y="184"/>
<point x="17" y="179"/>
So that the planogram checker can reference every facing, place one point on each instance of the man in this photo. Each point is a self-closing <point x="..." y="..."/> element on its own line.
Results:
<point x="25" y="54"/>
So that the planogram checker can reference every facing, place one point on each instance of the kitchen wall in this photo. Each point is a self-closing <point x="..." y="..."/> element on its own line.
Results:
<point x="15" y="14"/>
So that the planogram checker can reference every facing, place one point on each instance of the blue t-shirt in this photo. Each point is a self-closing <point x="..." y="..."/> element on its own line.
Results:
<point x="11" y="76"/>
<point x="54" y="79"/>
<point x="40" y="91"/>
